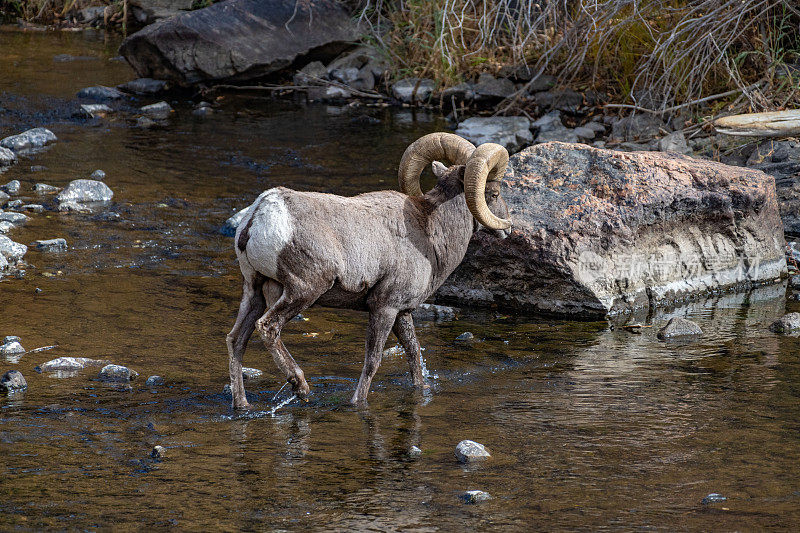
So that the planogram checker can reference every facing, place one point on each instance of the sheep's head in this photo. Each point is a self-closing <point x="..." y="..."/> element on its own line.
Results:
<point x="483" y="172"/>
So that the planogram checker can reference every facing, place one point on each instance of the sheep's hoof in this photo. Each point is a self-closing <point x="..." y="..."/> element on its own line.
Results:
<point x="242" y="406"/>
<point x="300" y="388"/>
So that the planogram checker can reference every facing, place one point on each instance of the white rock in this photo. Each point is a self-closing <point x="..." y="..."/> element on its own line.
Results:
<point x="404" y="91"/>
<point x="510" y="132"/>
<point x="468" y="451"/>
<point x="26" y="140"/>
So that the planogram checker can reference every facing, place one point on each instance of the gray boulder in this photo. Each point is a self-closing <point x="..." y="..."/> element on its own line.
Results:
<point x="157" y="111"/>
<point x="568" y="101"/>
<point x="490" y="87"/>
<point x="584" y="133"/>
<point x="434" y="312"/>
<point x="149" y="11"/>
<point x="7" y="157"/>
<point x="117" y="373"/>
<point x="5" y="227"/>
<point x="678" y="327"/>
<point x="229" y="228"/>
<point x="67" y="364"/>
<point x="11" y="348"/>
<point x="786" y="324"/>
<point x="468" y="451"/>
<point x="511" y="132"/>
<point x="410" y="90"/>
<point x="311" y="74"/>
<point x="84" y="191"/>
<point x="44" y="188"/>
<point x="36" y="208"/>
<point x="600" y="232"/>
<point x="100" y="93"/>
<point x="50" y="245"/>
<point x="95" y="110"/>
<point x="12" y="251"/>
<point x="635" y="127"/>
<point x="461" y="92"/>
<point x="13" y="381"/>
<point x="27" y="140"/>
<point x="239" y="40"/>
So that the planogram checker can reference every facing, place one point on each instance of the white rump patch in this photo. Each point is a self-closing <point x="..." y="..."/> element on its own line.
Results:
<point x="270" y="232"/>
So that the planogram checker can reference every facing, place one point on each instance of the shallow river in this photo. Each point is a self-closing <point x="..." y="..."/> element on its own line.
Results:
<point x="589" y="426"/>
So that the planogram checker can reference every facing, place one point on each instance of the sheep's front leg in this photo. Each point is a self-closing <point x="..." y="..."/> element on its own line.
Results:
<point x="380" y="324"/>
<point x="404" y="330"/>
<point x="251" y="307"/>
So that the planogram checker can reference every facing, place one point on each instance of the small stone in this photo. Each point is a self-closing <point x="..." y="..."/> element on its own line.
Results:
<point x="595" y="127"/>
<point x="12" y="338"/>
<point x="13" y="204"/>
<point x="63" y="364"/>
<point x="393" y="351"/>
<point x="410" y="90"/>
<point x="226" y="390"/>
<point x="713" y="498"/>
<point x="466" y="336"/>
<point x="98" y="175"/>
<point x="3" y="196"/>
<point x="50" y="245"/>
<point x="489" y="86"/>
<point x="475" y="496"/>
<point x="13" y="381"/>
<point x="468" y="451"/>
<point x="35" y="138"/>
<point x="202" y="111"/>
<point x="154" y="381"/>
<point x="786" y="324"/>
<point x="100" y="93"/>
<point x="12" y="187"/>
<point x="510" y="132"/>
<point x="35" y="208"/>
<point x="117" y="373"/>
<point x="679" y="327"/>
<point x="251" y="373"/>
<point x="159" y="452"/>
<point x="6" y="226"/>
<point x="311" y="74"/>
<point x="11" y="348"/>
<point x="414" y="452"/>
<point x="794" y="281"/>
<point x="44" y="188"/>
<point x="158" y="111"/>
<point x="462" y="91"/>
<point x="584" y="133"/>
<point x="95" y="110"/>
<point x="84" y="191"/>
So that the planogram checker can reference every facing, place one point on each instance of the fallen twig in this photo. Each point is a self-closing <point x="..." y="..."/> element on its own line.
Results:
<point x="42" y="349"/>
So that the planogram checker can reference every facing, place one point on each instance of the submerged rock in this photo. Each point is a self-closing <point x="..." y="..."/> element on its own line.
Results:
<point x="713" y="498"/>
<point x="510" y="132"/>
<point x="414" y="452"/>
<point x="251" y="373"/>
<point x="469" y="451"/>
<point x="143" y="86"/>
<point x="13" y="381"/>
<point x="95" y="110"/>
<point x="786" y="324"/>
<point x="98" y="175"/>
<point x="157" y="111"/>
<point x="13" y="218"/>
<point x="84" y="191"/>
<point x="100" y="93"/>
<point x="117" y="373"/>
<point x="27" y="140"/>
<point x="679" y="327"/>
<point x="44" y="188"/>
<point x="600" y="232"/>
<point x="238" y="40"/>
<point x="6" y="226"/>
<point x="410" y="90"/>
<point x="154" y="381"/>
<point x="69" y="363"/>
<point x="434" y="312"/>
<point x="50" y="245"/>
<point x="159" y="452"/>
<point x="466" y="336"/>
<point x="475" y="496"/>
<point x="12" y="338"/>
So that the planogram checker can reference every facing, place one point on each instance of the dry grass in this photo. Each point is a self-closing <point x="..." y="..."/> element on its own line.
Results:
<point x="652" y="53"/>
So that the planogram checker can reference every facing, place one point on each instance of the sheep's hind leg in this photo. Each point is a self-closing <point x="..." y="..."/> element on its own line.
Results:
<point x="270" y="325"/>
<point x="380" y="324"/>
<point x="251" y="307"/>
<point x="404" y="330"/>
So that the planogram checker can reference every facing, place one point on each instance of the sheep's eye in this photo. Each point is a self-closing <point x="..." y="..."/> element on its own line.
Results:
<point x="495" y="195"/>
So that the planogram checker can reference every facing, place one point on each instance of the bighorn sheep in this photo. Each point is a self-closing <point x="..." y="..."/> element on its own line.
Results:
<point x="384" y="252"/>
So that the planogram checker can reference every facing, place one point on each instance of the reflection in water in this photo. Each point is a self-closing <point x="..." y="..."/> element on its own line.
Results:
<point x="589" y="427"/>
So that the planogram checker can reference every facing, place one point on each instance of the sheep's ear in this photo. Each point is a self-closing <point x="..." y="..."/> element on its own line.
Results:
<point x="438" y="169"/>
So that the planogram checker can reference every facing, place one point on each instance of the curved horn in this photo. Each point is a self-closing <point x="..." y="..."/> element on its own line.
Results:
<point x="421" y="152"/>
<point x="487" y="163"/>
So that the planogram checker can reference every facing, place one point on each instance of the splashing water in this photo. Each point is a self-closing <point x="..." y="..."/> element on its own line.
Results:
<point x="284" y="403"/>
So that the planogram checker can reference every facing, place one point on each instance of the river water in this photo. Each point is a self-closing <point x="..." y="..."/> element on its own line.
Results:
<point x="589" y="426"/>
